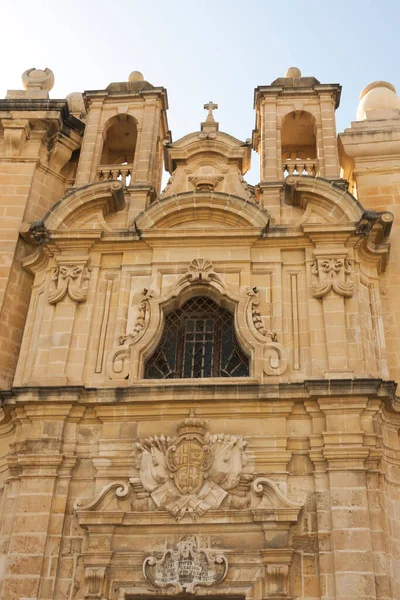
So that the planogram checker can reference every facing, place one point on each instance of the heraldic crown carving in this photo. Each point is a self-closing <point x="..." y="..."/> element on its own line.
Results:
<point x="193" y="472"/>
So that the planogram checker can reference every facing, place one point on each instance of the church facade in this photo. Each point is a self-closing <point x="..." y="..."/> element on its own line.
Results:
<point x="198" y="383"/>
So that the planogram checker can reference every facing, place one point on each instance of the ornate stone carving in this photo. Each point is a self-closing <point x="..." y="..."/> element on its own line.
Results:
<point x="94" y="581"/>
<point x="274" y="356"/>
<point x="71" y="279"/>
<point x="272" y="497"/>
<point x="366" y="223"/>
<point x="200" y="268"/>
<point x="193" y="472"/>
<point x="38" y="79"/>
<point x="121" y="488"/>
<point x="332" y="273"/>
<point x="250" y="329"/>
<point x="256" y="317"/>
<point x="186" y="568"/>
<point x="207" y="135"/>
<point x="141" y="319"/>
<point x="16" y="132"/>
<point x="277" y="579"/>
<point x="39" y="233"/>
<point x="206" y="182"/>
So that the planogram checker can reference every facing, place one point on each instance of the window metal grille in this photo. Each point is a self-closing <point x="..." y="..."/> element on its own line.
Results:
<point x="198" y="340"/>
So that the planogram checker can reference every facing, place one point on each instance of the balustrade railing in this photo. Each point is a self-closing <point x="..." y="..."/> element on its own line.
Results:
<point x="296" y="166"/>
<point x="115" y="173"/>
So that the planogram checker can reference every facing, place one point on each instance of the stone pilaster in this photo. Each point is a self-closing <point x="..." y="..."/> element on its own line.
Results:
<point x="41" y="473"/>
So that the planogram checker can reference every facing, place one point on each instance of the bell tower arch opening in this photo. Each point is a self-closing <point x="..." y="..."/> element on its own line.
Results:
<point x="120" y="136"/>
<point x="118" y="152"/>
<point x="299" y="143"/>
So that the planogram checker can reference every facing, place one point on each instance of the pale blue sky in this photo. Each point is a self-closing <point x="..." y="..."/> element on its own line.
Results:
<point x="202" y="50"/>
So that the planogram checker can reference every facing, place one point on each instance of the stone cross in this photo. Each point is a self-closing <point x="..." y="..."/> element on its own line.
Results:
<point x="210" y="106"/>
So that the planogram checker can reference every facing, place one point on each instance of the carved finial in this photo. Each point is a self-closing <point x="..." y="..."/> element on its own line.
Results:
<point x="192" y="412"/>
<point x="210" y="106"/>
<point x="37" y="84"/>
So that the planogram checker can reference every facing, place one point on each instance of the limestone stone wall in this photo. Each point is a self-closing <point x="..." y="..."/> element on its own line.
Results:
<point x="75" y="502"/>
<point x="283" y="483"/>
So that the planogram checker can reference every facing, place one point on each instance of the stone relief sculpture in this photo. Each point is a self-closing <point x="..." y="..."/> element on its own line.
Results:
<point x="190" y="473"/>
<point x="187" y="478"/>
<point x="253" y="336"/>
<point x="332" y="273"/>
<point x="141" y="319"/>
<point x="256" y="316"/>
<point x="71" y="279"/>
<point x="186" y="568"/>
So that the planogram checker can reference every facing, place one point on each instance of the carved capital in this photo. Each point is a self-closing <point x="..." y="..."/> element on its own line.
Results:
<point x="70" y="278"/>
<point x="94" y="581"/>
<point x="332" y="273"/>
<point x="277" y="566"/>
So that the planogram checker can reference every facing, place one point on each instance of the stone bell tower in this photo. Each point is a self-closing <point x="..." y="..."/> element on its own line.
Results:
<point x="295" y="132"/>
<point x="125" y="130"/>
<point x="370" y="158"/>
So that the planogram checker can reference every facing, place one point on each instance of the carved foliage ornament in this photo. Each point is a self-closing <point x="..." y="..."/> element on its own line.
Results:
<point x="256" y="317"/>
<point x="190" y="473"/>
<point x="71" y="279"/>
<point x="332" y="273"/>
<point x="141" y="319"/>
<point x="186" y="568"/>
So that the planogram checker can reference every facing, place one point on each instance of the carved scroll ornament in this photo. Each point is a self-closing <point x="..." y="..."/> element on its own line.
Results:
<point x="332" y="273"/>
<point x="141" y="319"/>
<point x="275" y="360"/>
<point x="71" y="279"/>
<point x="256" y="317"/>
<point x="186" y="568"/>
<point x="249" y="323"/>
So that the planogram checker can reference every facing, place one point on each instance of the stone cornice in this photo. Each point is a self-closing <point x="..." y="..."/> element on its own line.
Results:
<point x="310" y="87"/>
<point x="244" y="392"/>
<point x="47" y="109"/>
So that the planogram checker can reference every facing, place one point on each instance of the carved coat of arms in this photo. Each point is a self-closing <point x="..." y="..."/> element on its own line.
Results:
<point x="193" y="472"/>
<point x="186" y="567"/>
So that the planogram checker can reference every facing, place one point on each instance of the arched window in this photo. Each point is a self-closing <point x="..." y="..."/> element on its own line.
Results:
<point x="120" y="141"/>
<point x="299" y="143"/>
<point x="198" y="340"/>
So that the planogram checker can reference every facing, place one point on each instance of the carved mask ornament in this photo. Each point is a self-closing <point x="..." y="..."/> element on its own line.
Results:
<point x="71" y="279"/>
<point x="332" y="273"/>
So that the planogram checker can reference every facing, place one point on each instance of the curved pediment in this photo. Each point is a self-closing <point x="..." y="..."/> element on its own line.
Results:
<point x="321" y="200"/>
<point x="86" y="207"/>
<point x="215" y="143"/>
<point x="198" y="209"/>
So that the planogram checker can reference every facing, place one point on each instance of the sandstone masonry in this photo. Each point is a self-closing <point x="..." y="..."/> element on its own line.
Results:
<point x="198" y="383"/>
